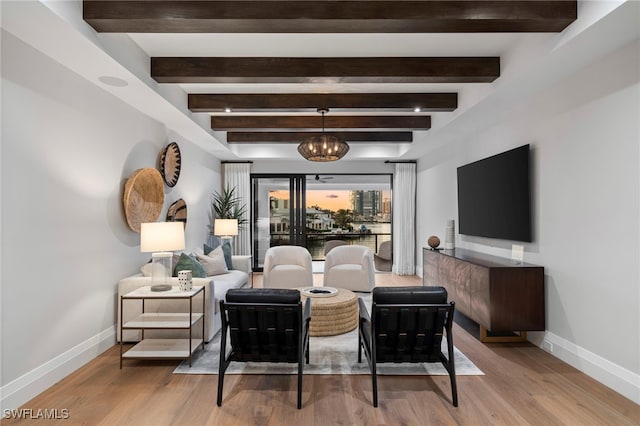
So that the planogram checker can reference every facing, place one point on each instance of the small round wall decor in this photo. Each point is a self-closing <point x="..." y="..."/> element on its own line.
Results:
<point x="170" y="163"/>
<point x="177" y="212"/>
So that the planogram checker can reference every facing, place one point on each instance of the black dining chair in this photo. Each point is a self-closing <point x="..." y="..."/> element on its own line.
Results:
<point x="264" y="325"/>
<point x="406" y="325"/>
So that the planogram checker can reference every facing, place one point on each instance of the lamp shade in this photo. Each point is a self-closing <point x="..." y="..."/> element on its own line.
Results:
<point x="225" y="227"/>
<point x="161" y="236"/>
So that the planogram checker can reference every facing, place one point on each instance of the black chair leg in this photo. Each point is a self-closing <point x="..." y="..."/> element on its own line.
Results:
<point x="454" y="390"/>
<point x="374" y="384"/>
<point x="300" y="383"/>
<point x="452" y="369"/>
<point x="220" y="383"/>
<point x="223" y="363"/>
<point x="359" y="346"/>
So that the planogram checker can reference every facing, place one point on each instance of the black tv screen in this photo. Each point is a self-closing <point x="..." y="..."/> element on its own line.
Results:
<point x="494" y="196"/>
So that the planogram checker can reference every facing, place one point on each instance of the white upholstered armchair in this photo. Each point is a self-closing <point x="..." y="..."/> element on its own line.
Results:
<point x="287" y="267"/>
<point x="350" y="267"/>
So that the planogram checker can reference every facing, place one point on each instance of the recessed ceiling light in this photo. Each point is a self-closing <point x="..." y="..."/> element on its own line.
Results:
<point x="227" y="109"/>
<point x="417" y="109"/>
<point x="113" y="81"/>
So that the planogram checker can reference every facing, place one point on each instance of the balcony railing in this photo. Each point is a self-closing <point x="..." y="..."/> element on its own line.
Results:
<point x="317" y="241"/>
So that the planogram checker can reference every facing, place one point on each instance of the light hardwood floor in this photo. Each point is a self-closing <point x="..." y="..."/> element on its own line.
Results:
<point x="522" y="385"/>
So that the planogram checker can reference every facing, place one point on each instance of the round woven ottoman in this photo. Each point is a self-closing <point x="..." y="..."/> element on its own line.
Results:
<point x="333" y="315"/>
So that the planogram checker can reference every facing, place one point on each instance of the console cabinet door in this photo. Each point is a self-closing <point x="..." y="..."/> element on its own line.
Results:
<point x="461" y="281"/>
<point x="430" y="262"/>
<point x="479" y="294"/>
<point x="447" y="274"/>
<point x="437" y="270"/>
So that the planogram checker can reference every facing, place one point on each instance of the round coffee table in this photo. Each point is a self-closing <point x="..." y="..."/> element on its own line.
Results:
<point x="333" y="315"/>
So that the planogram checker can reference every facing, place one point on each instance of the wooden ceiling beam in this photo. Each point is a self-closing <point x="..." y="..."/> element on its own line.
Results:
<point x="264" y="16"/>
<point x="314" y="123"/>
<point x="310" y="102"/>
<point x="325" y="70"/>
<point x="298" y="137"/>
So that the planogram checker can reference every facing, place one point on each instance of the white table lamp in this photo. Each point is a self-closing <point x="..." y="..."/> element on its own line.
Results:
<point x="161" y="238"/>
<point x="226" y="229"/>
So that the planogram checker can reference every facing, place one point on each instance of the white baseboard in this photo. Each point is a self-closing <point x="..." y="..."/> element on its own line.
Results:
<point x="621" y="380"/>
<point x="19" y="391"/>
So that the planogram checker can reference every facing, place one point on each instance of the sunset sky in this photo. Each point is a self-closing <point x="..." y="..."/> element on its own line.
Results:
<point x="331" y="199"/>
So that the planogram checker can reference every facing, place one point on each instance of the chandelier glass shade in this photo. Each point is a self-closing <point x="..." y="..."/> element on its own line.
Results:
<point x="323" y="147"/>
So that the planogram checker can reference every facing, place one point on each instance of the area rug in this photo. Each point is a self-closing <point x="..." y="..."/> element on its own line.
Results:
<point x="327" y="355"/>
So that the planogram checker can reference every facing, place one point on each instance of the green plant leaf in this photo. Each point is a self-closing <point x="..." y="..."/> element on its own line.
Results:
<point x="226" y="205"/>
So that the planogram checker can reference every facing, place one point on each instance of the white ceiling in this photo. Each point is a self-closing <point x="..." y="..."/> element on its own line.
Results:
<point x="529" y="63"/>
<point x="327" y="45"/>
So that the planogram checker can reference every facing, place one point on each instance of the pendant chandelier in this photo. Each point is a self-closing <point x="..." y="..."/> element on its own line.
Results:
<point x="323" y="147"/>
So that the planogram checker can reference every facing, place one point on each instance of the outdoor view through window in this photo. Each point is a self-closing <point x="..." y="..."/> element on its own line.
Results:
<point x="352" y="208"/>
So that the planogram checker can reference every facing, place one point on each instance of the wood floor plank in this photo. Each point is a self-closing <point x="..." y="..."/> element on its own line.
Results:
<point x="522" y="385"/>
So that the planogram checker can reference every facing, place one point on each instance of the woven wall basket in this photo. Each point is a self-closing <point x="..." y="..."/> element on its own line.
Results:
<point x="177" y="212"/>
<point x="143" y="197"/>
<point x="170" y="164"/>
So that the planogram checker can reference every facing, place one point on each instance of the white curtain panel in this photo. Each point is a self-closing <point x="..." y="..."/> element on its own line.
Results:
<point x="237" y="175"/>
<point x="404" y="219"/>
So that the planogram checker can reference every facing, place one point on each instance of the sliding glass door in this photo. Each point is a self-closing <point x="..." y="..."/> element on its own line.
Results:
<point x="278" y="213"/>
<point x="310" y="210"/>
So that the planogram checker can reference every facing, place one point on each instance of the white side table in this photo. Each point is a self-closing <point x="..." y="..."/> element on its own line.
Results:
<point x="163" y="348"/>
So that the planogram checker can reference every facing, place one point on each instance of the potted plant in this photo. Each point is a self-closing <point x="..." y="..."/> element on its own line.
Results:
<point x="226" y="205"/>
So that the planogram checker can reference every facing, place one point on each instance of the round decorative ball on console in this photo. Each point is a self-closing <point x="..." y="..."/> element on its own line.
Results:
<point x="433" y="242"/>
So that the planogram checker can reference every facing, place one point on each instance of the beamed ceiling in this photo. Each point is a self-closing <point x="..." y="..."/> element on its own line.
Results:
<point x="271" y="99"/>
<point x="369" y="16"/>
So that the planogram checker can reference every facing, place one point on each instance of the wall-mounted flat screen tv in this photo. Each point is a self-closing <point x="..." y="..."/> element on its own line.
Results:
<point x="494" y="196"/>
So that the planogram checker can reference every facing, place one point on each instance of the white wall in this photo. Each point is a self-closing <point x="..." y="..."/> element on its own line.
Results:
<point x="304" y="166"/>
<point x="584" y="135"/>
<point x="67" y="149"/>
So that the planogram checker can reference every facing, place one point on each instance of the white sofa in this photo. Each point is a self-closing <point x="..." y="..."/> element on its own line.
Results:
<point x="350" y="267"/>
<point x="238" y="277"/>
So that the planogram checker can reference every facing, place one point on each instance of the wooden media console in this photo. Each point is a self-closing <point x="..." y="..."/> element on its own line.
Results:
<point x="501" y="296"/>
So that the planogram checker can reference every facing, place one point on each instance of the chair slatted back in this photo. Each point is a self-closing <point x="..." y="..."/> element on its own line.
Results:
<point x="406" y="333"/>
<point x="265" y="333"/>
<point x="408" y="323"/>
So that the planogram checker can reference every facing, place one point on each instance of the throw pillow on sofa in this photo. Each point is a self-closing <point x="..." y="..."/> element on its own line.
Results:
<point x="189" y="263"/>
<point x="214" y="263"/>
<point x="226" y="249"/>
